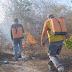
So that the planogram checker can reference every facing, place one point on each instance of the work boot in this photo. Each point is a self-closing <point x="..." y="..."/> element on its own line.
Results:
<point x="60" y="68"/>
<point x="50" y="65"/>
<point x="16" y="59"/>
<point x="50" y="68"/>
<point x="19" y="56"/>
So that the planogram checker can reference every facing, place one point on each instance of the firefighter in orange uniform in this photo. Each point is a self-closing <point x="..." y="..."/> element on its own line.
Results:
<point x="17" y="36"/>
<point x="55" y="46"/>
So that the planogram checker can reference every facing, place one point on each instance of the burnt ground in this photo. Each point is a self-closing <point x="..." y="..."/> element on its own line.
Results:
<point x="34" y="60"/>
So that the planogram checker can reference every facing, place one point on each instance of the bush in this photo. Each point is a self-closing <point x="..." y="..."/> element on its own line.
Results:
<point x="68" y="43"/>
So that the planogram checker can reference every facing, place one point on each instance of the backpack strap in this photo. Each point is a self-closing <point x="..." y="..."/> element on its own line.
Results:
<point x="50" y="31"/>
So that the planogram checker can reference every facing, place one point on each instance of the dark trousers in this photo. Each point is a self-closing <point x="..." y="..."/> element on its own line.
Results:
<point x="54" y="50"/>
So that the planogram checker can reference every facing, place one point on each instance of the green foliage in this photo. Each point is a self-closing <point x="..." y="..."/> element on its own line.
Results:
<point x="68" y="43"/>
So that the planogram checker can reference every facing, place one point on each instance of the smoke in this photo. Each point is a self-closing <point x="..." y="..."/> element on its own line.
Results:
<point x="5" y="30"/>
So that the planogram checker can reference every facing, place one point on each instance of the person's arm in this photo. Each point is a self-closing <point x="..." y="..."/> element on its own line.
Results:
<point x="22" y="29"/>
<point x="45" y="28"/>
<point x="64" y="38"/>
<point x="11" y="33"/>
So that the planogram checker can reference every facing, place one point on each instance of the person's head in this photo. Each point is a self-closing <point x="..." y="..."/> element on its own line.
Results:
<point x="16" y="21"/>
<point x="50" y="16"/>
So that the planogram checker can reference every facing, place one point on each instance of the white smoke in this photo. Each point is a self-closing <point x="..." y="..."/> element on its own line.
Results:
<point x="5" y="28"/>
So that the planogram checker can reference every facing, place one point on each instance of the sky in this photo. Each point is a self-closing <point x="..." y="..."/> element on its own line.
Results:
<point x="65" y="2"/>
<point x="2" y="14"/>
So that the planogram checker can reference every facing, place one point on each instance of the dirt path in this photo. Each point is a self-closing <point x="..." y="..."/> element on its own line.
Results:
<point x="36" y="63"/>
<point x="30" y="66"/>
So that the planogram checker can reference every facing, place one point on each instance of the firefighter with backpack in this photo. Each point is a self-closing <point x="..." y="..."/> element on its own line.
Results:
<point x="17" y="36"/>
<point x="56" y="29"/>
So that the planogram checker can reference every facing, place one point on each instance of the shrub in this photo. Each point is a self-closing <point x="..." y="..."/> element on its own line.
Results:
<point x="68" y="43"/>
